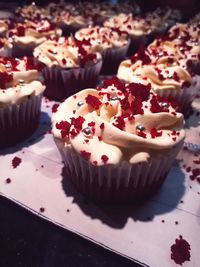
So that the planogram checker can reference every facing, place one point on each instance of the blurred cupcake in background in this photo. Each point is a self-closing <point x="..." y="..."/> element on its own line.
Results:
<point x="21" y="89"/>
<point x="69" y="66"/>
<point x="111" y="43"/>
<point x="29" y="34"/>
<point x="138" y="135"/>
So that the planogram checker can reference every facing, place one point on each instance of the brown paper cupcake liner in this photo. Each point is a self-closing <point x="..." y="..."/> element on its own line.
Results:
<point x="19" y="121"/>
<point x="122" y="183"/>
<point x="62" y="83"/>
<point x="112" y="58"/>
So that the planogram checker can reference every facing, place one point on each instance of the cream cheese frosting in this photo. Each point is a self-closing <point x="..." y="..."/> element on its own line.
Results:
<point x="102" y="38"/>
<point x="134" y="26"/>
<point x="66" y="53"/>
<point x="19" y="79"/>
<point x="33" y="33"/>
<point x="126" y="122"/>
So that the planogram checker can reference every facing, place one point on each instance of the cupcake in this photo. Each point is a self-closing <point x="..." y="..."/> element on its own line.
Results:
<point x="137" y="28"/>
<point x="31" y="11"/>
<point x="69" y="66"/>
<point x="29" y="34"/>
<point x="5" y="47"/>
<point x="111" y="43"/>
<point x="137" y="133"/>
<point x="71" y="22"/>
<point x="21" y="89"/>
<point x="168" y="76"/>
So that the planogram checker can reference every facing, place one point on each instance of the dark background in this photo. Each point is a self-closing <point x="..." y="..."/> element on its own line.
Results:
<point x="26" y="240"/>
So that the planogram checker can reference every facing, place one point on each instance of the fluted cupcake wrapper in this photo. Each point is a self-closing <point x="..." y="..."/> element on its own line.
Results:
<point x="121" y="183"/>
<point x="62" y="83"/>
<point x="19" y="121"/>
<point x="112" y="58"/>
<point x="185" y="96"/>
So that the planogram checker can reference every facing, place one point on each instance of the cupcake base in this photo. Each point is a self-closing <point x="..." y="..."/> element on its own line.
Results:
<point x="113" y="184"/>
<point x="19" y="121"/>
<point x="62" y="83"/>
<point x="112" y="58"/>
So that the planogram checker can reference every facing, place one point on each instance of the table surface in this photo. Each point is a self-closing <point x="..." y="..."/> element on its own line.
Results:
<point x="26" y="240"/>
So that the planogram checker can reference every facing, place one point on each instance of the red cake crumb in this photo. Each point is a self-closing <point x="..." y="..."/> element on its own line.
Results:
<point x="16" y="161"/>
<point x="104" y="158"/>
<point x="85" y="154"/>
<point x="42" y="209"/>
<point x="8" y="180"/>
<point x="136" y="107"/>
<point x="102" y="126"/>
<point x="141" y="134"/>
<point x="55" y="108"/>
<point x="64" y="126"/>
<point x="95" y="162"/>
<point x="115" y="82"/>
<point x="196" y="161"/>
<point x="195" y="174"/>
<point x="180" y="251"/>
<point x="119" y="123"/>
<point x="64" y="61"/>
<point x="93" y="101"/>
<point x="139" y="90"/>
<point x="4" y="79"/>
<point x="155" y="133"/>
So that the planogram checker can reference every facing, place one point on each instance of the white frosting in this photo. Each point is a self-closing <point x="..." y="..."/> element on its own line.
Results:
<point x="35" y="33"/>
<point x="118" y="145"/>
<point x="134" y="26"/>
<point x="102" y="38"/>
<point x="22" y="84"/>
<point x="62" y="52"/>
<point x="151" y="73"/>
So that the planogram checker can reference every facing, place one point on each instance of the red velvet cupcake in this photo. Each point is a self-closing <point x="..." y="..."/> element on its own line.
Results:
<point x="137" y="141"/>
<point x="70" y="66"/>
<point x="21" y="89"/>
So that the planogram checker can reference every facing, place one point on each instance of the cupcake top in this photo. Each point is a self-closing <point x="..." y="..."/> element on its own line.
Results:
<point x="167" y="74"/>
<point x="102" y="38"/>
<point x="134" y="26"/>
<point x="126" y="122"/>
<point x="68" y="18"/>
<point x="179" y="49"/>
<point x="32" y="11"/>
<point x="19" y="79"/>
<point x="33" y="32"/>
<point x="66" y="53"/>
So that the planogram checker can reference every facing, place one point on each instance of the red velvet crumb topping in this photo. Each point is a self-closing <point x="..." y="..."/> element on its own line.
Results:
<point x="85" y="154"/>
<point x="104" y="158"/>
<point x="93" y="101"/>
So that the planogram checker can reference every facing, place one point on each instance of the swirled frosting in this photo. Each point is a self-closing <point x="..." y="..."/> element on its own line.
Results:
<point x="102" y="38"/>
<point x="164" y="76"/>
<point x="33" y="32"/>
<point x="66" y="53"/>
<point x="32" y="11"/>
<point x="19" y="79"/>
<point x="126" y="122"/>
<point x="134" y="26"/>
<point x="68" y="18"/>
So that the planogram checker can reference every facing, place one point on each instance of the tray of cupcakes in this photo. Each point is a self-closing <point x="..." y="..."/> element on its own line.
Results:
<point x="118" y="88"/>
